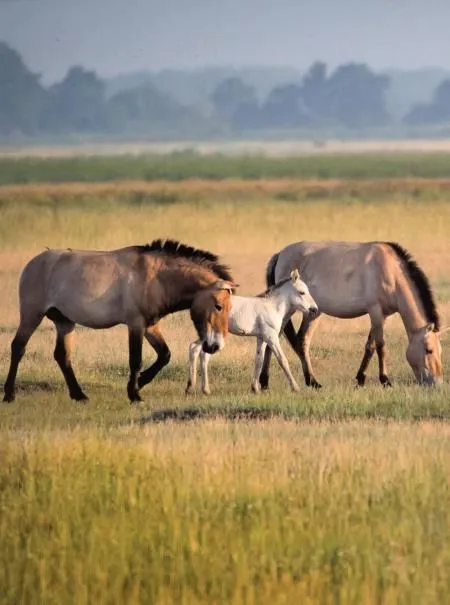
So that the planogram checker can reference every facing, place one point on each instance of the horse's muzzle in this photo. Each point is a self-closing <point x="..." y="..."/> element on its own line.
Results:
<point x="314" y="311"/>
<point x="211" y="349"/>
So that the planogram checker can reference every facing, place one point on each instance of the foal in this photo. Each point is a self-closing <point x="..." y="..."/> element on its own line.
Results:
<point x="264" y="317"/>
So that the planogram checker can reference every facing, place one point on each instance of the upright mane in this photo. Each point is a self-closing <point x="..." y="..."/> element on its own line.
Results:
<point x="271" y="289"/>
<point x="204" y="258"/>
<point x="421" y="282"/>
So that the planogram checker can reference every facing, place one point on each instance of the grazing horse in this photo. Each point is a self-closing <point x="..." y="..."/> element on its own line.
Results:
<point x="261" y="316"/>
<point x="351" y="279"/>
<point x="136" y="286"/>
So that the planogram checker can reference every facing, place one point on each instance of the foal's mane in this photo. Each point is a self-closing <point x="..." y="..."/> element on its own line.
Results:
<point x="171" y="247"/>
<point x="420" y="280"/>
<point x="271" y="289"/>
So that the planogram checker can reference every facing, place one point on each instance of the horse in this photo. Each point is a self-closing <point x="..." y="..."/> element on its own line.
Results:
<point x="136" y="286"/>
<point x="262" y="316"/>
<point x="351" y="279"/>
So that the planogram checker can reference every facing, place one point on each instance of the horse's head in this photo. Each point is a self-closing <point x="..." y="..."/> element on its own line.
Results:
<point x="302" y="299"/>
<point x="424" y="355"/>
<point x="209" y="312"/>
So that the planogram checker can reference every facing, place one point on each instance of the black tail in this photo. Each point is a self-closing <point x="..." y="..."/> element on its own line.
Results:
<point x="270" y="270"/>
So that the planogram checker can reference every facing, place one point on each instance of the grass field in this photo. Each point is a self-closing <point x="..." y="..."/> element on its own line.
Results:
<point x="337" y="496"/>
<point x="188" y="164"/>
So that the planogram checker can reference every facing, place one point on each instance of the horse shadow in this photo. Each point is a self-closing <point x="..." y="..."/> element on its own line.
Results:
<point x="192" y="413"/>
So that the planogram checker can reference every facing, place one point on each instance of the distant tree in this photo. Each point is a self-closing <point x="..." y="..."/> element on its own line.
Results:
<point x="356" y="96"/>
<point x="315" y="91"/>
<point x="247" y="117"/>
<point x="21" y="94"/>
<point x="435" y="112"/>
<point x="77" y="104"/>
<point x="146" y="110"/>
<point x="284" y="108"/>
<point x="230" y="94"/>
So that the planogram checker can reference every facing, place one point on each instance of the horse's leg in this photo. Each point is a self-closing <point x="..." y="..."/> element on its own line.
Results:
<point x="378" y="319"/>
<point x="194" y="352"/>
<point x="264" y="375"/>
<point x="204" y="360"/>
<point x="301" y="342"/>
<point x="261" y="350"/>
<point x="135" y="338"/>
<point x="62" y="354"/>
<point x="368" y="354"/>
<point x="18" y="345"/>
<point x="275" y="345"/>
<point x="156" y="340"/>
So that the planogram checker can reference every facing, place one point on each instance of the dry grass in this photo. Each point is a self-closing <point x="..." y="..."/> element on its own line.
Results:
<point x="282" y="498"/>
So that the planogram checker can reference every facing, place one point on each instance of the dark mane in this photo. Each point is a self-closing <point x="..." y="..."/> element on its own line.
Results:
<point x="421" y="282"/>
<point x="201" y="257"/>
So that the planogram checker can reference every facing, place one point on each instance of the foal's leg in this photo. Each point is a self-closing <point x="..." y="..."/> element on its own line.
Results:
<point x="275" y="345"/>
<point x="378" y="320"/>
<point x="155" y="338"/>
<point x="62" y="354"/>
<point x="368" y="354"/>
<point x="24" y="332"/>
<point x="300" y="342"/>
<point x="204" y="360"/>
<point x="261" y="348"/>
<point x="194" y="352"/>
<point x="135" y="338"/>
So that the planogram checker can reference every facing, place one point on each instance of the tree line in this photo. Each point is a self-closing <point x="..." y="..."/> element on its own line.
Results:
<point x="351" y="97"/>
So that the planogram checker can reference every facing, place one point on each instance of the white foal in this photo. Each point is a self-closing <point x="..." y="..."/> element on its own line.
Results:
<point x="264" y="317"/>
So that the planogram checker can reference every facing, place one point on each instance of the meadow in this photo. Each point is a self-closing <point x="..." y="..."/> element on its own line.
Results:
<point x="335" y="496"/>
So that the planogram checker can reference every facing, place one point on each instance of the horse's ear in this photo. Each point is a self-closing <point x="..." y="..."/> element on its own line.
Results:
<point x="430" y="327"/>
<point x="226" y="285"/>
<point x="295" y="275"/>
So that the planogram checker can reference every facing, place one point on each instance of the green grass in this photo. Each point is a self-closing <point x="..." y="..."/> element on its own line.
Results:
<point x="178" y="166"/>
<point x="334" y="496"/>
<point x="225" y="512"/>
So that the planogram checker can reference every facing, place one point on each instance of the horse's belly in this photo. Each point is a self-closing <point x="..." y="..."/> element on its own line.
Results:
<point x="91" y="314"/>
<point x="347" y="309"/>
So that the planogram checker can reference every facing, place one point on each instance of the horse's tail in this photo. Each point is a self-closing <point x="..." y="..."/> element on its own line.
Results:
<point x="270" y="270"/>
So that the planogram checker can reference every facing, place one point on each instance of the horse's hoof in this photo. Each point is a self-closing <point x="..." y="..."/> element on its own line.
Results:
<point x="206" y="391"/>
<point x="9" y="398"/>
<point x="136" y="399"/>
<point x="80" y="397"/>
<point x="385" y="381"/>
<point x="360" y="379"/>
<point x="314" y="384"/>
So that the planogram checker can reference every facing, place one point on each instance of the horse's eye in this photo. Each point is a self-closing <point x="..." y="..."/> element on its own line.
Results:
<point x="429" y="351"/>
<point x="302" y="293"/>
<point x="218" y="307"/>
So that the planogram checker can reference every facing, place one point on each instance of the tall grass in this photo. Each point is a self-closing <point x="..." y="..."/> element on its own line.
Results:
<point x="228" y="513"/>
<point x="179" y="166"/>
<point x="337" y="496"/>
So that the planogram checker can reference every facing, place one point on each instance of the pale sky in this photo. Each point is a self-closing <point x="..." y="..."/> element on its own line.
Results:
<point x="119" y="36"/>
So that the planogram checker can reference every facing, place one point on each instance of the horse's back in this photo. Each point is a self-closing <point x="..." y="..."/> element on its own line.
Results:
<point x="84" y="286"/>
<point x="343" y="277"/>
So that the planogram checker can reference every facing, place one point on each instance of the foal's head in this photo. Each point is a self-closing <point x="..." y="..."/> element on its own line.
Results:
<point x="300" y="296"/>
<point x="424" y="355"/>
<point x="209" y="312"/>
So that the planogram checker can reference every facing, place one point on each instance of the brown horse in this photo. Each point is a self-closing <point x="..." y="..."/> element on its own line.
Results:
<point x="350" y="279"/>
<point x="136" y="286"/>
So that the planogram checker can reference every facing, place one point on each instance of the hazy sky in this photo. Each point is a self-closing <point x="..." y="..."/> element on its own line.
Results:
<point x="118" y="36"/>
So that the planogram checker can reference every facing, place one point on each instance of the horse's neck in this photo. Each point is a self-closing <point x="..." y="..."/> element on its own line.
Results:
<point x="409" y="305"/>
<point x="280" y="302"/>
<point x="182" y="287"/>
